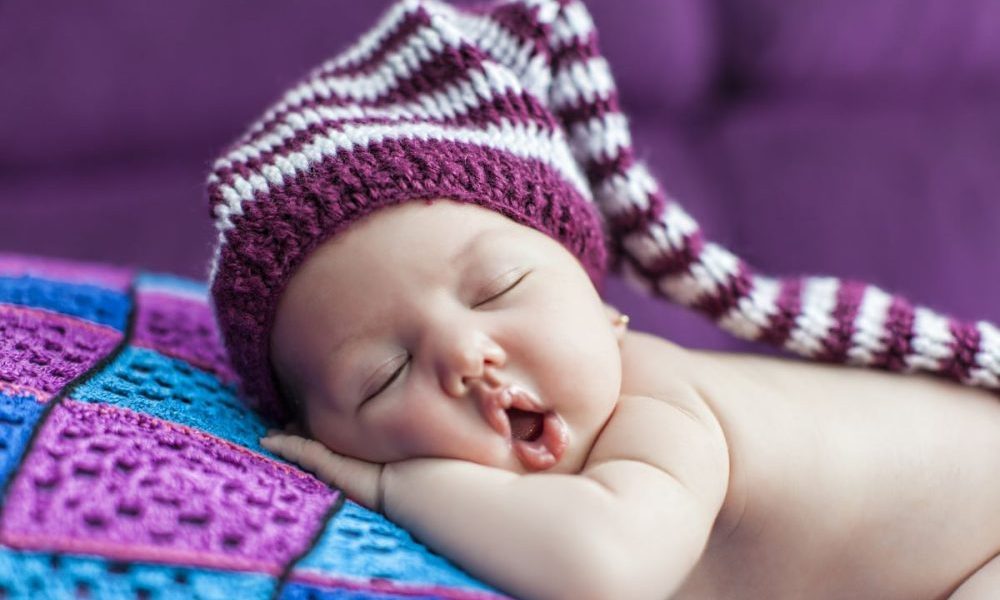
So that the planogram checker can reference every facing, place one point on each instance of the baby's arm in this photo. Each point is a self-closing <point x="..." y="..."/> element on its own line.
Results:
<point x="631" y="525"/>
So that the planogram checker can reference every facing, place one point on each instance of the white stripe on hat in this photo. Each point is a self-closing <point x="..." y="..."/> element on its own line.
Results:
<point x="867" y="341"/>
<point x="437" y="105"/>
<point x="813" y="323"/>
<point x="714" y="267"/>
<point x="577" y="81"/>
<point x="753" y="313"/>
<point x="932" y="340"/>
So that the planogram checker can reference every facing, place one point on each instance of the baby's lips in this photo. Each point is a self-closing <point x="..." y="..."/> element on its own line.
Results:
<point x="494" y="402"/>
<point x="521" y="398"/>
<point x="547" y="450"/>
<point x="491" y="405"/>
<point x="537" y="455"/>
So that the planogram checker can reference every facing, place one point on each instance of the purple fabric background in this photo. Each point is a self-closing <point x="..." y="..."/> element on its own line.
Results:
<point x="854" y="138"/>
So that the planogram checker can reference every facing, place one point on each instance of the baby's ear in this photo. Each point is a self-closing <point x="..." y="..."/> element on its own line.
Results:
<point x="614" y="315"/>
<point x="611" y="311"/>
<point x="619" y="322"/>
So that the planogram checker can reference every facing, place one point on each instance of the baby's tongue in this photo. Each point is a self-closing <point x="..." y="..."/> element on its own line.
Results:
<point x="524" y="425"/>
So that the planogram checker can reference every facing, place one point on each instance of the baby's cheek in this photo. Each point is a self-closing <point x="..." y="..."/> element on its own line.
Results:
<point x="442" y="432"/>
<point x="413" y="430"/>
<point x="592" y="356"/>
<point x="324" y="428"/>
<point x="339" y="432"/>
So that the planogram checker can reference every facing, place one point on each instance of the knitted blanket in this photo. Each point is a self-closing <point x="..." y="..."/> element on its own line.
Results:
<point x="129" y="468"/>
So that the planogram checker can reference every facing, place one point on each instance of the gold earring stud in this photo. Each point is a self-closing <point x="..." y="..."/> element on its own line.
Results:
<point x="622" y="321"/>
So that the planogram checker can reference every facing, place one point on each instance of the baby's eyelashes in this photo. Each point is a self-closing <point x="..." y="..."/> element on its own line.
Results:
<point x="505" y="290"/>
<point x="387" y="382"/>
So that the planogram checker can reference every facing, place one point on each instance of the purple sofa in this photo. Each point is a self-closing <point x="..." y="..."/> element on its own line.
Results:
<point x="856" y="139"/>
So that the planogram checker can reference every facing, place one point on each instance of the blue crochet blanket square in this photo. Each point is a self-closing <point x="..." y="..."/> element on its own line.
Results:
<point x="129" y="467"/>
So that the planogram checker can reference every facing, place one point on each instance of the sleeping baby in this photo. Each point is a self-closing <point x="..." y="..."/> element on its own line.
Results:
<point x="524" y="433"/>
<point x="412" y="245"/>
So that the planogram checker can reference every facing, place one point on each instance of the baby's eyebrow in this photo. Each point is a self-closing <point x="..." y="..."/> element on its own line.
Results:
<point x="468" y="248"/>
<point x="344" y="343"/>
<point x="333" y="357"/>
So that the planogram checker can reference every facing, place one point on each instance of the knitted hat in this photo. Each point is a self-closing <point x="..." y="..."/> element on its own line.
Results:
<point x="512" y="107"/>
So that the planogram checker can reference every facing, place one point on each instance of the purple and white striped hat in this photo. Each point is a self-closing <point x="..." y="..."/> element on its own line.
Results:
<point x="512" y="107"/>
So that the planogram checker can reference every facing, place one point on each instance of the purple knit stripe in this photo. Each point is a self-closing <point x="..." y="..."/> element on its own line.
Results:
<point x="108" y="480"/>
<point x="576" y="50"/>
<point x="446" y="68"/>
<point x="598" y="169"/>
<point x="964" y="348"/>
<point x="898" y="336"/>
<point x="43" y="351"/>
<point x="838" y="339"/>
<point x="638" y="213"/>
<point x="727" y="294"/>
<point x="633" y="218"/>
<point x="521" y="22"/>
<point x="513" y="17"/>
<point x="272" y="237"/>
<point x="408" y="25"/>
<point x="518" y="108"/>
<point x="674" y="262"/>
<point x="524" y="26"/>
<point x="381" y="587"/>
<point x="516" y="19"/>
<point x="788" y="308"/>
<point x="182" y="328"/>
<point x="583" y="110"/>
<point x="112" y="278"/>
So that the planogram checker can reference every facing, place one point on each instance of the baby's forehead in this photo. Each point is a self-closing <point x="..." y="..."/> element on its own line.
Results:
<point x="409" y="248"/>
<point x="398" y="237"/>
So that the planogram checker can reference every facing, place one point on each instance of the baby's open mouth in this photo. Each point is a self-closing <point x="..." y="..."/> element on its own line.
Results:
<point x="524" y="424"/>
<point x="538" y="436"/>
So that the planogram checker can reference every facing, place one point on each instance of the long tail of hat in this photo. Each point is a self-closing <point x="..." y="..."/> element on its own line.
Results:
<point x="657" y="247"/>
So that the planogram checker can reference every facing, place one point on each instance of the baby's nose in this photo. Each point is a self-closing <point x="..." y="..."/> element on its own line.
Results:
<point x="489" y="379"/>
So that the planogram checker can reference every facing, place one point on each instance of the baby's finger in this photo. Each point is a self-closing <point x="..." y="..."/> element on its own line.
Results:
<point x="307" y="453"/>
<point x="357" y="478"/>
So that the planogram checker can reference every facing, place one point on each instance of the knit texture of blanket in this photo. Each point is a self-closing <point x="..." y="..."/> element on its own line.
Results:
<point x="130" y="469"/>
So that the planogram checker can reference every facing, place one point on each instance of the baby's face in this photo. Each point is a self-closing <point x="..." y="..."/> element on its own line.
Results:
<point x="399" y="337"/>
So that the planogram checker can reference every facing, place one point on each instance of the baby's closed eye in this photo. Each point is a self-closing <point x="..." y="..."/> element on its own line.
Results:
<point x="517" y="275"/>
<point x="506" y="283"/>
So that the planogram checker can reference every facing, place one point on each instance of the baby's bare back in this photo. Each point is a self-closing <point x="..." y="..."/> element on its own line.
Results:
<point x="845" y="483"/>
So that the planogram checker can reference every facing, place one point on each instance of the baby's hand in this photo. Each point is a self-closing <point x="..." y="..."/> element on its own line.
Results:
<point x="360" y="480"/>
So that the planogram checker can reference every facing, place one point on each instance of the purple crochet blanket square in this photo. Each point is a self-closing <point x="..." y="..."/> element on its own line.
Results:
<point x="182" y="327"/>
<point x="42" y="351"/>
<point x="126" y="485"/>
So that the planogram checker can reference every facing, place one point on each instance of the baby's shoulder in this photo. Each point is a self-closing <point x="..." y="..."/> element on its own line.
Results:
<point x="653" y="366"/>
<point x="661" y="420"/>
<point x="670" y="436"/>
